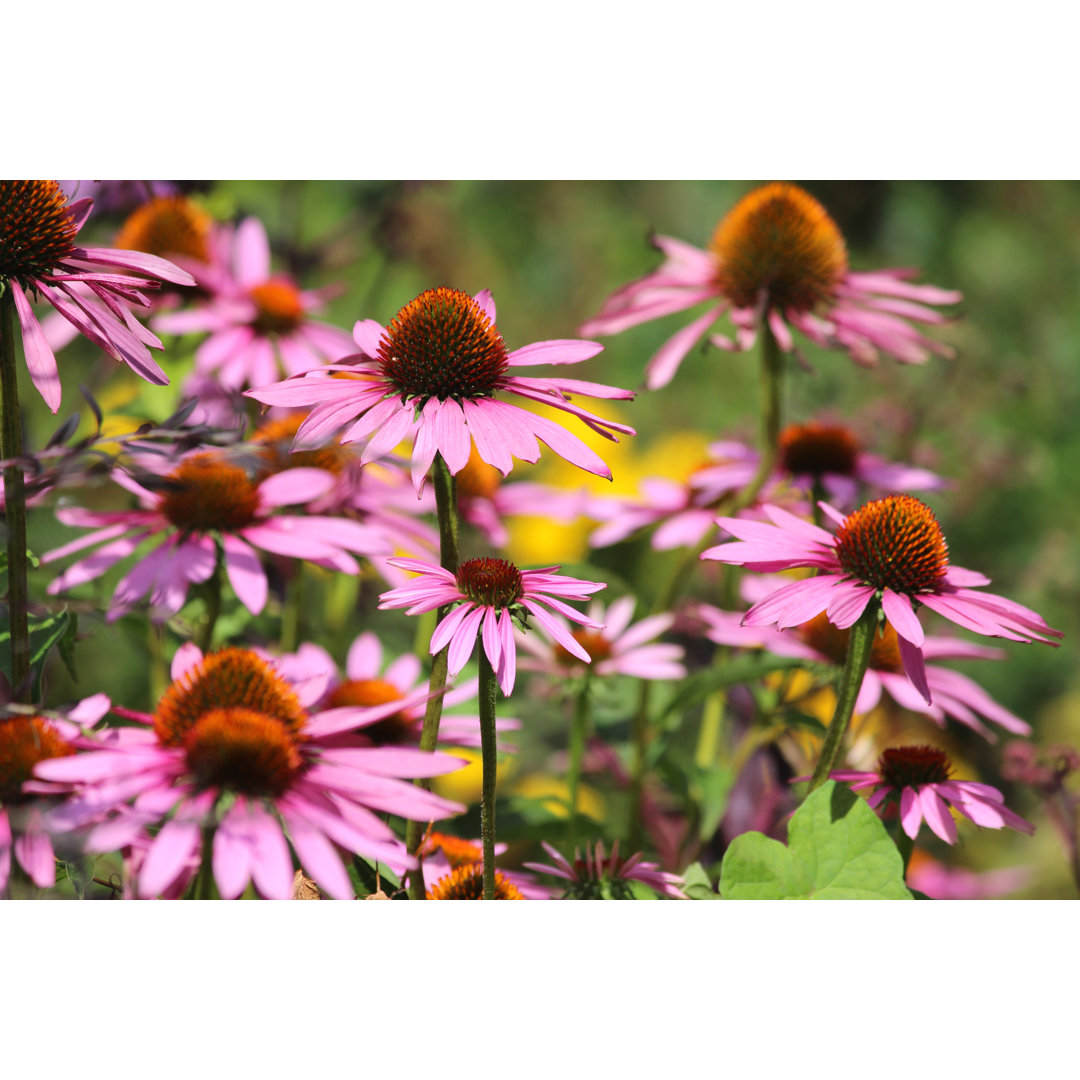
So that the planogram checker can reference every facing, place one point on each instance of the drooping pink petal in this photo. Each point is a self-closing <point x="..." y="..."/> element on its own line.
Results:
<point x="40" y="359"/>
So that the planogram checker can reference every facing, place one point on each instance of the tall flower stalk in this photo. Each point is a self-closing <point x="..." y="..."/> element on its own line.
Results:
<point x="11" y="448"/>
<point x="446" y="507"/>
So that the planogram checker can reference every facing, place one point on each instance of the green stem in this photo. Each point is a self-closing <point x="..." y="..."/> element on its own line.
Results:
<point x="11" y="447"/>
<point x="202" y="887"/>
<point x="579" y="730"/>
<point x="489" y="753"/>
<point x="860" y="643"/>
<point x="446" y="506"/>
<point x="290" y="616"/>
<point x="212" y="593"/>
<point x="905" y="845"/>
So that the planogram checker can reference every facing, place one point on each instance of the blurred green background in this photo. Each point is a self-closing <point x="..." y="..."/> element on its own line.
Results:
<point x="1000" y="419"/>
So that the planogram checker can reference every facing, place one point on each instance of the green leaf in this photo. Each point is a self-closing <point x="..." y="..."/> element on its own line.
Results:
<point x="696" y="883"/>
<point x="80" y="872"/>
<point x="44" y="634"/>
<point x="365" y="881"/>
<point x="837" y="849"/>
<point x="701" y="684"/>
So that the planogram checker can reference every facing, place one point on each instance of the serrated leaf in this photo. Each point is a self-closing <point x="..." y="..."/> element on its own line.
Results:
<point x="697" y="687"/>
<point x="837" y="849"/>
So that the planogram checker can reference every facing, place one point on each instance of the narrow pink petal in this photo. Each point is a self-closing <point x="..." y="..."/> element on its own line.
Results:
<point x="937" y="814"/>
<point x="34" y="850"/>
<point x="271" y="867"/>
<point x="486" y="303"/>
<point x="318" y="857"/>
<point x="365" y="657"/>
<point x="40" y="359"/>
<point x="665" y="362"/>
<point x="187" y="657"/>
<point x="367" y="334"/>
<point x="245" y="573"/>
<point x="464" y="640"/>
<point x="910" y="811"/>
<point x="915" y="668"/>
<point x="904" y="621"/>
<point x="233" y="851"/>
<point x="251" y="253"/>
<point x="565" y="351"/>
<point x="169" y="853"/>
<point x="452" y="436"/>
<point x="291" y="486"/>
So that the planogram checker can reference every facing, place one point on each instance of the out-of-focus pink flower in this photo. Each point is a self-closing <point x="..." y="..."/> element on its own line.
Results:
<point x="890" y="548"/>
<point x="436" y="374"/>
<point x="941" y="882"/>
<point x="254" y="317"/>
<point x="954" y="694"/>
<point x="40" y="255"/>
<point x="234" y="750"/>
<point x="25" y="741"/>
<point x="918" y="777"/>
<point x="366" y="684"/>
<point x="596" y="877"/>
<point x="209" y="502"/>
<point x="618" y="649"/>
<point x="489" y="594"/>
<point x="777" y="259"/>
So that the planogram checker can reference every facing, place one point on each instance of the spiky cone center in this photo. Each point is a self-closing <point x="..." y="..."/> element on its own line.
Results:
<point x="818" y="449"/>
<point x="442" y="345"/>
<point x="478" y="480"/>
<point x="490" y="582"/>
<point x="366" y="694"/>
<point x="592" y="641"/>
<point x="820" y="634"/>
<point x="242" y="750"/>
<point x="467" y="883"/>
<point x="780" y="242"/>
<point x="457" y="851"/>
<point x="910" y="766"/>
<point x="228" y="679"/>
<point x="36" y="230"/>
<point x="593" y="882"/>
<point x="208" y="492"/>
<point x="279" y="308"/>
<point x="168" y="225"/>
<point x="24" y="741"/>
<point x="894" y="543"/>
<point x="275" y="437"/>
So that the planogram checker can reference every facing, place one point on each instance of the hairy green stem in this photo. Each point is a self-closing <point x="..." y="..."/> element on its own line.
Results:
<point x="446" y="506"/>
<point x="579" y="731"/>
<point x="860" y="643"/>
<point x="11" y="446"/>
<point x="489" y="753"/>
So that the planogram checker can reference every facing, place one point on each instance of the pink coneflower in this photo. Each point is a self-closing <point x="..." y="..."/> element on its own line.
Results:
<point x="489" y="595"/>
<point x="941" y="882"/>
<point x="617" y="649"/>
<point x="598" y="878"/>
<point x="891" y="548"/>
<point x="39" y="254"/>
<point x="435" y="374"/>
<point x="25" y="741"/>
<point x="779" y="257"/>
<point x="234" y="750"/>
<point x="209" y="500"/>
<point x="819" y="641"/>
<point x="919" y="777"/>
<point x="830" y="455"/>
<point x="367" y="684"/>
<point x="684" y="512"/>
<point x="254" y="317"/>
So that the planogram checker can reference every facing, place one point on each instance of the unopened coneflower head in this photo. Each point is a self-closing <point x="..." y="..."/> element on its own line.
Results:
<point x="892" y="549"/>
<point x="40" y="257"/>
<point x="919" y="778"/>
<point x="777" y="259"/>
<point x="169" y="226"/>
<point x="235" y="750"/>
<point x="437" y="373"/>
<point x="487" y="595"/>
<point x="598" y="877"/>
